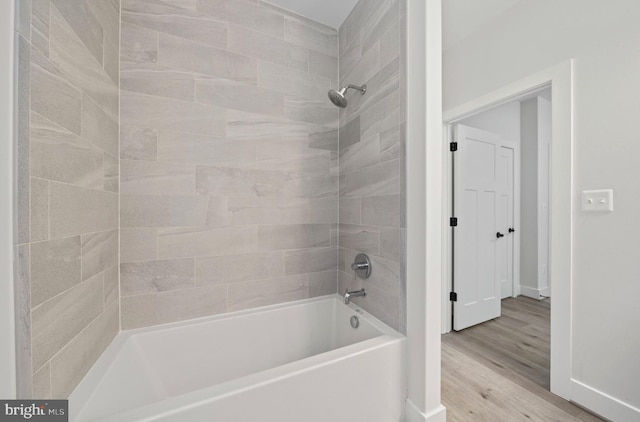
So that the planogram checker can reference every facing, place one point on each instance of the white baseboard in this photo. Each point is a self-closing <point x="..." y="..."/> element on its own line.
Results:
<point x="602" y="403"/>
<point x="531" y="292"/>
<point x="413" y="414"/>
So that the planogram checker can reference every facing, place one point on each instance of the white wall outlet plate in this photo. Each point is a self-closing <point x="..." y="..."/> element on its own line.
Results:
<point x="597" y="200"/>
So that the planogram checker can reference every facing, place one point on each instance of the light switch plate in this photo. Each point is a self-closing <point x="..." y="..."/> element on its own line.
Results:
<point x="597" y="200"/>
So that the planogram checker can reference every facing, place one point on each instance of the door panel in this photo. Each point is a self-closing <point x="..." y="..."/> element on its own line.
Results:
<point x="476" y="205"/>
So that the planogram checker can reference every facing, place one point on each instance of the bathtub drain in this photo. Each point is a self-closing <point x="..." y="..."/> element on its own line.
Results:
<point x="355" y="322"/>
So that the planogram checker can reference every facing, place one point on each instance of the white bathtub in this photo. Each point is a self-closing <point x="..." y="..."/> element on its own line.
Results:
<point x="295" y="362"/>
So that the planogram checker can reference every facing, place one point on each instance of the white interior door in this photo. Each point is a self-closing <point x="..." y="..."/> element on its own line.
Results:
<point x="505" y="220"/>
<point x="477" y="236"/>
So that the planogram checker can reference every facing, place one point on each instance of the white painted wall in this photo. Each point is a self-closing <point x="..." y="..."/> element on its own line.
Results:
<point x="424" y="212"/>
<point x="7" y="327"/>
<point x="544" y="194"/>
<point x="529" y="198"/>
<point x="603" y="38"/>
<point x="503" y="120"/>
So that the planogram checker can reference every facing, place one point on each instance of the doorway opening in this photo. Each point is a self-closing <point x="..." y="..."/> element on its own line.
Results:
<point x="500" y="193"/>
<point x="499" y="188"/>
<point x="560" y="79"/>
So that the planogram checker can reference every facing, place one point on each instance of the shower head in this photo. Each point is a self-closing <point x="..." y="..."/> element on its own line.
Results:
<point x="338" y="97"/>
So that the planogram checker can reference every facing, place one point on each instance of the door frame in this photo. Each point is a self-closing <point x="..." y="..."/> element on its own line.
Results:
<point x="560" y="78"/>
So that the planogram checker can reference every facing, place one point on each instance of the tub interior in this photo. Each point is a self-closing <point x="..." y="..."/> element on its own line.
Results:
<point x="154" y="364"/>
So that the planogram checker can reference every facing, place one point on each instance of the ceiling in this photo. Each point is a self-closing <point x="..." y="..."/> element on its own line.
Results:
<point x="329" y="12"/>
<point x="461" y="18"/>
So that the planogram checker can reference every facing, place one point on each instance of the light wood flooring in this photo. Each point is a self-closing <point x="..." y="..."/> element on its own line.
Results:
<point x="499" y="371"/>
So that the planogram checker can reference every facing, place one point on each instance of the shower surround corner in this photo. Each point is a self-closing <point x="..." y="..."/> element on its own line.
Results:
<point x="66" y="175"/>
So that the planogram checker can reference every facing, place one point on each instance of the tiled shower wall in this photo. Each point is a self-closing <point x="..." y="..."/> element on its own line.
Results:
<point x="229" y="154"/>
<point x="372" y="158"/>
<point x="66" y="231"/>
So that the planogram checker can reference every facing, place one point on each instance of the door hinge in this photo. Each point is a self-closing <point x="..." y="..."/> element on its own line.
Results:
<point x="453" y="296"/>
<point x="453" y="222"/>
<point x="453" y="146"/>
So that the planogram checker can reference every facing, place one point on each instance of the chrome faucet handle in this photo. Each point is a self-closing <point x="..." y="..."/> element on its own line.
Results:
<point x="362" y="265"/>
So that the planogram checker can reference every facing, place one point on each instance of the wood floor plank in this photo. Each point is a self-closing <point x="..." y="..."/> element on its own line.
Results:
<point x="499" y="371"/>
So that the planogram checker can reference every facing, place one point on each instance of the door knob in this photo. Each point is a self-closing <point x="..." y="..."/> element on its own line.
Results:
<point x="511" y="229"/>
<point x="499" y="235"/>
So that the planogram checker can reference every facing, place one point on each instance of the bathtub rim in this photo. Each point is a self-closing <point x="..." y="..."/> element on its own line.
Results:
<point x="84" y="391"/>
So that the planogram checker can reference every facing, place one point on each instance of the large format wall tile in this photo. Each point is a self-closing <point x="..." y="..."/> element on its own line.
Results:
<point x="228" y="94"/>
<point x="180" y="243"/>
<point x="203" y="150"/>
<point x="219" y="181"/>
<point x="252" y="294"/>
<point x="156" y="276"/>
<point x="157" y="80"/>
<point x="179" y="53"/>
<point x="156" y="178"/>
<point x="56" y="99"/>
<point x="82" y="68"/>
<point x="84" y="23"/>
<point x="55" y="267"/>
<point x="254" y="44"/>
<point x="312" y="35"/>
<point x="248" y="13"/>
<point x="99" y="252"/>
<point x="167" y="18"/>
<point x="163" y="210"/>
<point x="68" y="178"/>
<point x="175" y="305"/>
<point x="72" y="363"/>
<point x="228" y="158"/>
<point x="293" y="236"/>
<point x="372" y="169"/>
<point x="57" y="154"/>
<point x="168" y="114"/>
<point x="138" y="245"/>
<point x="76" y="210"/>
<point x="138" y="44"/>
<point x="237" y="268"/>
<point x="60" y="319"/>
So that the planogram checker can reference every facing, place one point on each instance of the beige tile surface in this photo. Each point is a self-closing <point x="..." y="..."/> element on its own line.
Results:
<point x="56" y="99"/>
<point x="71" y="364"/>
<point x="99" y="251"/>
<point x="252" y="294"/>
<point x="201" y="242"/>
<point x="138" y="245"/>
<point x="163" y="210"/>
<point x="42" y="383"/>
<point x="39" y="206"/>
<point x="157" y="178"/>
<point x="293" y="236"/>
<point x="212" y="90"/>
<point x="179" y="53"/>
<point x="238" y="268"/>
<point x="138" y="278"/>
<point x="75" y="210"/>
<point x="68" y="127"/>
<point x="167" y="18"/>
<point x="57" y="154"/>
<point x="55" y="267"/>
<point x="60" y="319"/>
<point x="247" y="13"/>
